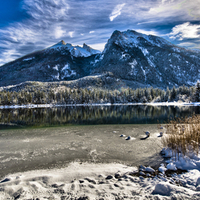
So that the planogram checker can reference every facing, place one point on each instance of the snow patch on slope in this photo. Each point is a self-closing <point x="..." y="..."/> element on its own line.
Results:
<point x="67" y="72"/>
<point x="56" y="67"/>
<point x="76" y="51"/>
<point x="28" y="59"/>
<point x="133" y="64"/>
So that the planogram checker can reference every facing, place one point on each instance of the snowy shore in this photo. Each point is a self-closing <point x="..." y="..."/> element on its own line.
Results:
<point x="99" y="181"/>
<point x="100" y="104"/>
<point x="108" y="181"/>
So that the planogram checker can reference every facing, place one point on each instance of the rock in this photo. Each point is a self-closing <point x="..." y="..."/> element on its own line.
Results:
<point x="162" y="189"/>
<point x="91" y="181"/>
<point x="198" y="181"/>
<point x="117" y="175"/>
<point x="81" y="181"/>
<point x="109" y="177"/>
<point x="142" y="173"/>
<point x="147" y="133"/>
<point x="148" y="175"/>
<point x="142" y="168"/>
<point x="54" y="186"/>
<point x="16" y="195"/>
<point x="122" y="135"/>
<point x="150" y="170"/>
<point x="116" y="185"/>
<point x="102" y="182"/>
<point x="5" y="180"/>
<point x="59" y="191"/>
<point x="128" y="138"/>
<point x="161" y="134"/>
<point x="171" y="166"/>
<point x="83" y="198"/>
<point x="198" y="188"/>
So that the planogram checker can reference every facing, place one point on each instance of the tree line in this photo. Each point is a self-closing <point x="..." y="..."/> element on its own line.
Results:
<point x="92" y="96"/>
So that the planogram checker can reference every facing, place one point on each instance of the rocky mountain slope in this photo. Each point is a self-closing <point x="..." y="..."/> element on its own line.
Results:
<point x="149" y="59"/>
<point x="132" y="57"/>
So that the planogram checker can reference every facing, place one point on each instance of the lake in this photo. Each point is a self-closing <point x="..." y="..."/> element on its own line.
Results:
<point x="92" y="115"/>
<point x="53" y="137"/>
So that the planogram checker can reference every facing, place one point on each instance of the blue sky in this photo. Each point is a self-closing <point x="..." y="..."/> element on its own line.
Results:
<point x="30" y="25"/>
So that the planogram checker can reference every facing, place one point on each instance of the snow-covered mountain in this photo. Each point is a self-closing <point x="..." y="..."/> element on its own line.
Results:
<point x="135" y="58"/>
<point x="76" y="51"/>
<point x="149" y="59"/>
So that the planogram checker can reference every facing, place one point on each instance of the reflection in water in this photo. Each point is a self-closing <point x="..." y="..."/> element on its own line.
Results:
<point x="94" y="115"/>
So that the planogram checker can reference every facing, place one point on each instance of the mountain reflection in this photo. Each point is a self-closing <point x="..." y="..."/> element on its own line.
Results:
<point x="94" y="115"/>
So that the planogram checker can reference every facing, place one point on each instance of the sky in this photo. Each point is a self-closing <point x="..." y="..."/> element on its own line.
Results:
<point x="30" y="25"/>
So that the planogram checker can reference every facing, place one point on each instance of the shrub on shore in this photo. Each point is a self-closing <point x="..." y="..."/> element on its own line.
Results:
<point x="183" y="135"/>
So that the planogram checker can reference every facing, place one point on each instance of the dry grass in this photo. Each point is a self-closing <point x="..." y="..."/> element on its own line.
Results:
<point x="183" y="135"/>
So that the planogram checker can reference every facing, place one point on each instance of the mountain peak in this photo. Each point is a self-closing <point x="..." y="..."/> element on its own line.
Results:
<point x="134" y="38"/>
<point x="90" y="49"/>
<point x="63" y="42"/>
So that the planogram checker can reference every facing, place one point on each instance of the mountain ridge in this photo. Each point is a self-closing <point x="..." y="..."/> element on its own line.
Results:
<point x="128" y="55"/>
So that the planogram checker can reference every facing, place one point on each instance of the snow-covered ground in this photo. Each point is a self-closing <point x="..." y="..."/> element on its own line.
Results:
<point x="99" y="104"/>
<point x="99" y="181"/>
<point x="83" y="180"/>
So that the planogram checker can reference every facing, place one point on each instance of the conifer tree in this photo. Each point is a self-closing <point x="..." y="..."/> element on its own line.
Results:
<point x="197" y="92"/>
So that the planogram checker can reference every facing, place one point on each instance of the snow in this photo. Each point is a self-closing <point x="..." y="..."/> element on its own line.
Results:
<point x="99" y="180"/>
<point x="171" y="166"/>
<point x="132" y="38"/>
<point x="162" y="168"/>
<point x="176" y="49"/>
<point x="56" y="76"/>
<point x="98" y="104"/>
<point x="125" y="56"/>
<point x="144" y="73"/>
<point x="76" y="51"/>
<point x="56" y="67"/>
<point x="28" y="59"/>
<point x="144" y="51"/>
<point x="163" y="189"/>
<point x="133" y="64"/>
<point x="68" y="72"/>
<point x="151" y="63"/>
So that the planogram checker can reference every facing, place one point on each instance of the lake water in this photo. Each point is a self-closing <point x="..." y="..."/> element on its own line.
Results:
<point x="92" y="115"/>
<point x="53" y="137"/>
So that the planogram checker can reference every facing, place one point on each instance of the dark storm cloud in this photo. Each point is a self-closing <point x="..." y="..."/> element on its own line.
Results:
<point x="93" y="21"/>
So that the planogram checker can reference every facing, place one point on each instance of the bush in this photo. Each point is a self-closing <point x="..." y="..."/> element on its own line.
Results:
<point x="183" y="135"/>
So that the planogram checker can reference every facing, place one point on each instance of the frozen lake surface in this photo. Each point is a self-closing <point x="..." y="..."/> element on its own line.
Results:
<point x="29" y="149"/>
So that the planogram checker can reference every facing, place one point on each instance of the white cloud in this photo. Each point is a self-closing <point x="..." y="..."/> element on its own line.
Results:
<point x="46" y="10"/>
<point x="116" y="12"/>
<point x="7" y="56"/>
<point x="71" y="34"/>
<point x="163" y="1"/>
<point x="150" y="32"/>
<point x="98" y="46"/>
<point x="59" y="32"/>
<point x="91" y="32"/>
<point x="185" y="31"/>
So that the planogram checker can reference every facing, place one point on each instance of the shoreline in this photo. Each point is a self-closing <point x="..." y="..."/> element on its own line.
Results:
<point x="99" y="104"/>
<point x="87" y="181"/>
